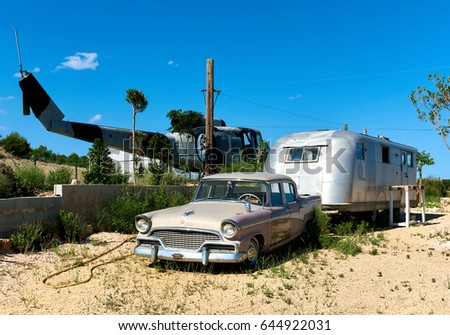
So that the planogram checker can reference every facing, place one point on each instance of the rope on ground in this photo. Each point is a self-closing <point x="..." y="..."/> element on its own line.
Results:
<point x="44" y="281"/>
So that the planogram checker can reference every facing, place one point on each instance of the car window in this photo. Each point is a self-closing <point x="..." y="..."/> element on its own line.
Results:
<point x="232" y="190"/>
<point x="289" y="192"/>
<point x="277" y="199"/>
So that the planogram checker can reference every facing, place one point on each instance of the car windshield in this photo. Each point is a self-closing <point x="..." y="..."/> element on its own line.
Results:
<point x="251" y="191"/>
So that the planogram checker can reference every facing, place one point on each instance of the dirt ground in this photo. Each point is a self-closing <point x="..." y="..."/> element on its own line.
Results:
<point x="403" y="271"/>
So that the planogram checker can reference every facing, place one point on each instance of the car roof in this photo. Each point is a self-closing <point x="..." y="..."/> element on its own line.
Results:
<point x="261" y="176"/>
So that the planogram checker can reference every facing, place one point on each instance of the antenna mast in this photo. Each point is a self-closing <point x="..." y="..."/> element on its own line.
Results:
<point x="22" y="71"/>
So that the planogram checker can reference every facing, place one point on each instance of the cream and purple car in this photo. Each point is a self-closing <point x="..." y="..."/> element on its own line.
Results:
<point x="233" y="217"/>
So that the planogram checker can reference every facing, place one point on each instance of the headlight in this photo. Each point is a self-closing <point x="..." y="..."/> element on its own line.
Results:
<point x="229" y="229"/>
<point x="142" y="224"/>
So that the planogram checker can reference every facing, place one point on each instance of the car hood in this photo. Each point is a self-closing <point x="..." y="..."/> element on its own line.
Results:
<point x="201" y="215"/>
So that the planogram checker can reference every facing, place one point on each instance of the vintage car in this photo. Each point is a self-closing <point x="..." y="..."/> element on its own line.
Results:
<point x="233" y="217"/>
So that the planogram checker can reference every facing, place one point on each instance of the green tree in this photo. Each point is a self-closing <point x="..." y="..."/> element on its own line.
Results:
<point x="100" y="164"/>
<point x="423" y="159"/>
<point x="431" y="104"/>
<point x="42" y="153"/>
<point x="139" y="102"/>
<point x="161" y="148"/>
<point x="185" y="122"/>
<point x="16" y="145"/>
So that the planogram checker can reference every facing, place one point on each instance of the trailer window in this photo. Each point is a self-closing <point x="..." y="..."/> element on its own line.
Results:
<point x="385" y="154"/>
<point x="409" y="159"/>
<point x="307" y="154"/>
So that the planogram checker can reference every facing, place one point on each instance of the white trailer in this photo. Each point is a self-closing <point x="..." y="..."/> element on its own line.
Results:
<point x="351" y="171"/>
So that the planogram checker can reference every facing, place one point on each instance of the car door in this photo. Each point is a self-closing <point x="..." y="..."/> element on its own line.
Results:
<point x="281" y="215"/>
<point x="294" y="205"/>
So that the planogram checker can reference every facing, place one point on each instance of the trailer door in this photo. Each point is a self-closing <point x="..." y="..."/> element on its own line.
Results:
<point x="406" y="168"/>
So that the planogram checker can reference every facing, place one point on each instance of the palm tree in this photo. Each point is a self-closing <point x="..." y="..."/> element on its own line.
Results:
<point x="139" y="102"/>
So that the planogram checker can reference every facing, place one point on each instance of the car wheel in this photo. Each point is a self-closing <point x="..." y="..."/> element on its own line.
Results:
<point x="252" y="253"/>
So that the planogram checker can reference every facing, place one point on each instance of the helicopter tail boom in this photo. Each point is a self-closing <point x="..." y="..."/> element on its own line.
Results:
<point x="40" y="102"/>
<point x="51" y="117"/>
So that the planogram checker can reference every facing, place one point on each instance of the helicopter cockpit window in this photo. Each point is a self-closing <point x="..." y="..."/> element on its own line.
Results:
<point x="222" y="143"/>
<point x="236" y="142"/>
<point x="247" y="140"/>
<point x="259" y="140"/>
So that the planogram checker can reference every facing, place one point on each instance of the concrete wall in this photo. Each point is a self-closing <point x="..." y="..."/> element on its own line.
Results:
<point x="18" y="211"/>
<point x="86" y="200"/>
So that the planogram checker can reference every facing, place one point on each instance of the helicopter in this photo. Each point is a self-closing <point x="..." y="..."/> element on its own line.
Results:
<point x="187" y="151"/>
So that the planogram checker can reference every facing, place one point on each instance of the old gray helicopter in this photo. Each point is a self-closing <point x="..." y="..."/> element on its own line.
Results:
<point x="230" y="144"/>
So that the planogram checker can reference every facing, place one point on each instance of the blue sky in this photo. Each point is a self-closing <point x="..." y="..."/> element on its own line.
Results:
<point x="282" y="66"/>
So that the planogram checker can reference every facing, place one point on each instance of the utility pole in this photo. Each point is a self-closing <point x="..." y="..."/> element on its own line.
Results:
<point x="209" y="114"/>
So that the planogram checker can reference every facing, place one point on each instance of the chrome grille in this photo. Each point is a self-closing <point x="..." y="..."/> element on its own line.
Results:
<point x="179" y="239"/>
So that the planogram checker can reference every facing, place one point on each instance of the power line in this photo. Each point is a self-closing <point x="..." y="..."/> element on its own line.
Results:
<point x="280" y="110"/>
<point x="368" y="129"/>
<point x="358" y="76"/>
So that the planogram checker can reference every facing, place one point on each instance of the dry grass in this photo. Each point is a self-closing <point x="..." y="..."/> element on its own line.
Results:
<point x="407" y="274"/>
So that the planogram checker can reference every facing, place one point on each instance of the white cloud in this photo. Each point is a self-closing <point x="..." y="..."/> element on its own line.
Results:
<point x="95" y="118"/>
<point x="295" y="97"/>
<point x="35" y="70"/>
<point x="80" y="61"/>
<point x="8" y="98"/>
<point x="2" y="111"/>
<point x="172" y="63"/>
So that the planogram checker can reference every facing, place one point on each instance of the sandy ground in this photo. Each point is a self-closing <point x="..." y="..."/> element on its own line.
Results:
<point x="403" y="271"/>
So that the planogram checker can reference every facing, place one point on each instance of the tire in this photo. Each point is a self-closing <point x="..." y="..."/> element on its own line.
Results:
<point x="253" y="252"/>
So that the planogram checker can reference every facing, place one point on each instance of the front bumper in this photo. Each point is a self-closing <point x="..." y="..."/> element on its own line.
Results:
<point x="214" y="252"/>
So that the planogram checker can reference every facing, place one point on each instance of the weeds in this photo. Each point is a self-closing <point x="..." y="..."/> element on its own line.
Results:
<point x="348" y="246"/>
<point x="72" y="226"/>
<point x="28" y="237"/>
<point x="120" y="211"/>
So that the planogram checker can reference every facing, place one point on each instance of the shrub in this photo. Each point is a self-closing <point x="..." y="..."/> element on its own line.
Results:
<point x="317" y="230"/>
<point x="348" y="246"/>
<point x="6" y="188"/>
<point x="8" y="182"/>
<point x="16" y="145"/>
<point x="363" y="228"/>
<point x="72" y="226"/>
<point x="119" y="178"/>
<point x="435" y="187"/>
<point x="61" y="175"/>
<point x="153" y="177"/>
<point x="344" y="228"/>
<point x="100" y="164"/>
<point x="31" y="179"/>
<point x="27" y="237"/>
<point x="120" y="211"/>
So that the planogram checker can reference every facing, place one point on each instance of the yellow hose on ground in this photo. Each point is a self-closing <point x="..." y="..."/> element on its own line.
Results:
<point x="44" y="281"/>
